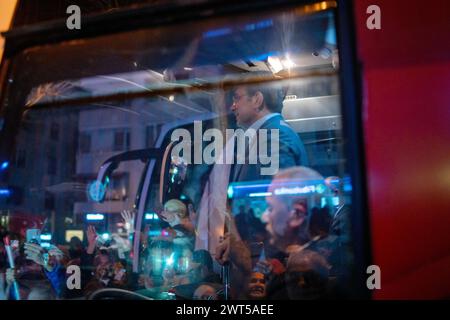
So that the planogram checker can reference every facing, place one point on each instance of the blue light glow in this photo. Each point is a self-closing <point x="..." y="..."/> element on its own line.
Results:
<point x="216" y="33"/>
<point x="171" y="259"/>
<point x="151" y="216"/>
<point x="5" y="192"/>
<point x="46" y="236"/>
<point x="347" y="184"/>
<point x="320" y="188"/>
<point x="230" y="192"/>
<point x="335" y="201"/>
<point x="95" y="216"/>
<point x="295" y="190"/>
<point x="259" y="25"/>
<point x="154" y="233"/>
<point x="330" y="36"/>
<point x="4" y="165"/>
<point x="262" y="57"/>
<point x="97" y="190"/>
<point x="260" y="194"/>
<point x="105" y="236"/>
<point x="45" y="245"/>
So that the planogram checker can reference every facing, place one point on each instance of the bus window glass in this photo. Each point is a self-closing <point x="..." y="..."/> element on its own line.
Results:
<point x="192" y="162"/>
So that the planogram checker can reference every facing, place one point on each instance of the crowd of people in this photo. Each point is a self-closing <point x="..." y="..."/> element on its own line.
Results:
<point x="302" y="256"/>
<point x="43" y="273"/>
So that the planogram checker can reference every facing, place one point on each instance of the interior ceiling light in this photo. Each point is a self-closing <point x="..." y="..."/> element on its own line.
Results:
<point x="288" y="63"/>
<point x="274" y="64"/>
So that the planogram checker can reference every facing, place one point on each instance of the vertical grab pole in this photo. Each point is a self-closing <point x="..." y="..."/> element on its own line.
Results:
<point x="11" y="265"/>
<point x="226" y="279"/>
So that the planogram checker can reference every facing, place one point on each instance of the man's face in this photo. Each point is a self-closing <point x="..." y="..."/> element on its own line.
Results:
<point x="282" y="217"/>
<point x="244" y="107"/>
<point x="276" y="216"/>
<point x="102" y="271"/>
<point x="257" y="286"/>
<point x="103" y="259"/>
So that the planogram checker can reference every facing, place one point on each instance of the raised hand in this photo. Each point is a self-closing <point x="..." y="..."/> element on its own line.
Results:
<point x="91" y="235"/>
<point x="35" y="253"/>
<point x="128" y="218"/>
<point x="92" y="239"/>
<point x="223" y="250"/>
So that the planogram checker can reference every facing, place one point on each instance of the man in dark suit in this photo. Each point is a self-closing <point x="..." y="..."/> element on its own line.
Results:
<point x="258" y="107"/>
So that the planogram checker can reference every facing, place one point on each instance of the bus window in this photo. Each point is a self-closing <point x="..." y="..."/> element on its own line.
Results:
<point x="209" y="158"/>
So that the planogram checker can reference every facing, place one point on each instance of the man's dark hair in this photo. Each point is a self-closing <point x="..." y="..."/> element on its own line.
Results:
<point x="273" y="96"/>
<point x="272" y="91"/>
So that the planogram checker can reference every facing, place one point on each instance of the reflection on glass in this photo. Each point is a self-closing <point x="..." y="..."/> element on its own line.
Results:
<point x="89" y="158"/>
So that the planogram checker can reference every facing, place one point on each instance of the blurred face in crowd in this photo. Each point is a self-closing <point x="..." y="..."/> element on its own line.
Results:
<point x="205" y="292"/>
<point x="101" y="272"/>
<point x="257" y="286"/>
<point x="306" y="276"/>
<point x="103" y="258"/>
<point x="174" y="211"/>
<point x="119" y="273"/>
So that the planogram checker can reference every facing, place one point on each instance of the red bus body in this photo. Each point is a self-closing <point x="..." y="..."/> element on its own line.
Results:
<point x="406" y="117"/>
